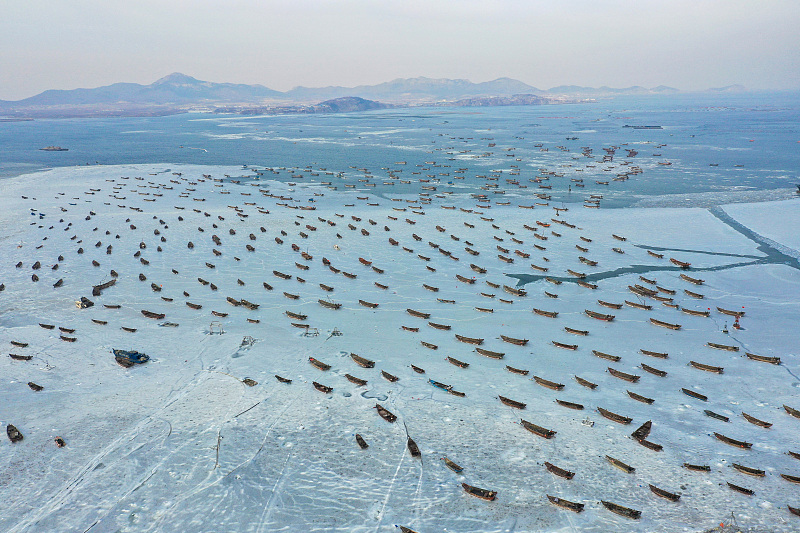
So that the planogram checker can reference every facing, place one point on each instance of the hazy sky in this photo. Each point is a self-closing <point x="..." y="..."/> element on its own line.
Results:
<point x="688" y="44"/>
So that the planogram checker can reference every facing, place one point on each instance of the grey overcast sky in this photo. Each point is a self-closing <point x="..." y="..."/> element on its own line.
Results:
<point x="688" y="44"/>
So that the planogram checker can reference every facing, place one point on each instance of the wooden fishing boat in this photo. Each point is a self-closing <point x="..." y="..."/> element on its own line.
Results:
<point x="671" y="496"/>
<point x="19" y="344"/>
<point x="763" y="358"/>
<point x="493" y="285"/>
<point x="429" y="345"/>
<point x="579" y="275"/>
<point x="362" y="362"/>
<point x="570" y="405"/>
<point x="640" y="398"/>
<point x="538" y="430"/>
<point x="463" y="279"/>
<point x="14" y="435"/>
<point x="696" y="295"/>
<point x="281" y="275"/>
<point x="619" y="464"/>
<point x="607" y="356"/>
<point x="614" y="416"/>
<point x="576" y="331"/>
<point x="476" y="268"/>
<point x="389" y="377"/>
<point x="18" y="357"/>
<point x="618" y="237"/>
<point x="267" y="286"/>
<point x="193" y="306"/>
<point x="539" y="268"/>
<point x="638" y="305"/>
<point x="319" y="364"/>
<point x="663" y="324"/>
<point x="489" y="353"/>
<point x="609" y="304"/>
<point x="681" y="264"/>
<point x="296" y="316"/>
<point x="652" y="253"/>
<point x="357" y="381"/>
<point x="707" y="368"/>
<point x="100" y="322"/>
<point x="598" y="316"/>
<point x="712" y="414"/>
<point x="468" y="340"/>
<point x="643" y="431"/>
<point x="517" y="370"/>
<point x="566" y="504"/>
<point x="361" y="442"/>
<point x="791" y="479"/>
<point x="791" y="411"/>
<point x="385" y="413"/>
<point x="381" y="286"/>
<point x="217" y="313"/>
<point x="483" y="494"/>
<point x="748" y="470"/>
<point x="733" y="442"/>
<point x="452" y="466"/>
<point x="737" y="488"/>
<point x="694" y="394"/>
<point x="46" y="326"/>
<point x="439" y="326"/>
<point x="756" y="421"/>
<point x="512" y="340"/>
<point x="585" y="383"/>
<point x="322" y="388"/>
<point x="112" y="306"/>
<point x="730" y="312"/>
<point x="66" y="330"/>
<point x="413" y="448"/>
<point x="542" y="312"/>
<point x="659" y="355"/>
<point x="511" y="403"/>
<point x="484" y="309"/>
<point x="409" y="328"/>
<point x="620" y="510"/>
<point x="417" y="369"/>
<point x="697" y="468"/>
<point x="514" y="291"/>
<point x="564" y="346"/>
<point x="547" y="383"/>
<point x="587" y="261"/>
<point x="632" y="378"/>
<point x="151" y="314"/>
<point x="654" y="371"/>
<point x="560" y="472"/>
<point x="249" y="305"/>
<point x="456" y="362"/>
<point x="282" y="379"/>
<point x="642" y="291"/>
<point x="690" y="279"/>
<point x="329" y="305"/>
<point x="418" y="314"/>
<point x="665" y="290"/>
<point x="695" y="313"/>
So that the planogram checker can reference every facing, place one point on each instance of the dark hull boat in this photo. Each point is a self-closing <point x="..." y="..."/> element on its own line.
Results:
<point x="566" y="504"/>
<point x="620" y="510"/>
<point x="483" y="494"/>
<point x="128" y="358"/>
<point x="385" y="413"/>
<point x="560" y="472"/>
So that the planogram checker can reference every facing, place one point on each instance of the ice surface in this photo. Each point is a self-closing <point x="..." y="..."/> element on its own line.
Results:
<point x="181" y="444"/>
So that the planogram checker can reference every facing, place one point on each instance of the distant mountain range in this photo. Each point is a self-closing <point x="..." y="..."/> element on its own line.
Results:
<point x="178" y="92"/>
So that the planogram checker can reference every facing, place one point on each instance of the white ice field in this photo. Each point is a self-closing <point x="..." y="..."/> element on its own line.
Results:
<point x="181" y="444"/>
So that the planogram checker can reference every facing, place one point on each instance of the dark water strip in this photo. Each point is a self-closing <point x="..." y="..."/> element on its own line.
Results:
<point x="771" y="255"/>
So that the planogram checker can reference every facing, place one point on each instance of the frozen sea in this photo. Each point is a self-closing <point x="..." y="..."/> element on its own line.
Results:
<point x="182" y="443"/>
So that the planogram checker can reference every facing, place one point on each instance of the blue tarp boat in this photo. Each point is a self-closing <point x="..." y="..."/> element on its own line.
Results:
<point x="128" y="358"/>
